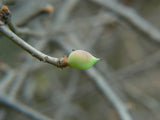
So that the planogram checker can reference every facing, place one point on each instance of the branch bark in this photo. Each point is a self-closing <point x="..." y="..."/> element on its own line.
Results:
<point x="31" y="50"/>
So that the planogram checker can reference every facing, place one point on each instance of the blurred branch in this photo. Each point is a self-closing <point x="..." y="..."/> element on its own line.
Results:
<point x="64" y="13"/>
<point x="34" y="10"/>
<point x="6" y="81"/>
<point x="148" y="101"/>
<point x="66" y="97"/>
<point x="104" y="86"/>
<point x="2" y="114"/>
<point x="5" y="100"/>
<point x="132" y="17"/>
<point x="29" y="32"/>
<point x="137" y="67"/>
<point x="22" y="74"/>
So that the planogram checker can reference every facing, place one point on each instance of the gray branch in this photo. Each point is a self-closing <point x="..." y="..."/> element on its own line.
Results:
<point x="132" y="17"/>
<point x="22" y="108"/>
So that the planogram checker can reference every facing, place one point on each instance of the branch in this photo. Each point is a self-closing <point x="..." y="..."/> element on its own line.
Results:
<point x="132" y="17"/>
<point x="22" y="108"/>
<point x="31" y="50"/>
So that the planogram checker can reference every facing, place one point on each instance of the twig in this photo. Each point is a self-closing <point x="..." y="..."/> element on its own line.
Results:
<point x="132" y="17"/>
<point x="31" y="50"/>
<point x="32" y="8"/>
<point x="5" y="100"/>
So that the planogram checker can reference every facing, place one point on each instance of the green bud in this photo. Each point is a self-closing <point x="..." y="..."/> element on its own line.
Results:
<point x="82" y="60"/>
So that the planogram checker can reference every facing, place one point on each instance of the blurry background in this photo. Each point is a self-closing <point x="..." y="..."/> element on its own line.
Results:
<point x="130" y="62"/>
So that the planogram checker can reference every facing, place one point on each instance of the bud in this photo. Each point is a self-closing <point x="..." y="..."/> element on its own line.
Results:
<point x="82" y="60"/>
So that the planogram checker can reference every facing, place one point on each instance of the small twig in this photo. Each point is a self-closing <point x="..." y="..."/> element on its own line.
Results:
<point x="31" y="50"/>
<point x="5" y="100"/>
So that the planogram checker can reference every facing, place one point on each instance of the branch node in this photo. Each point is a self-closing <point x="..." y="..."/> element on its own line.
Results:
<point x="63" y="62"/>
<point x="45" y="58"/>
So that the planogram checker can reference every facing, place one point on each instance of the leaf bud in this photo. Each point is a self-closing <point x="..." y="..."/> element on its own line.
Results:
<point x="81" y="60"/>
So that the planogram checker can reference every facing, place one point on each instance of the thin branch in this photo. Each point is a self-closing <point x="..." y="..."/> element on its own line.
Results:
<point x="5" y="100"/>
<point x="132" y="17"/>
<point x="31" y="50"/>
